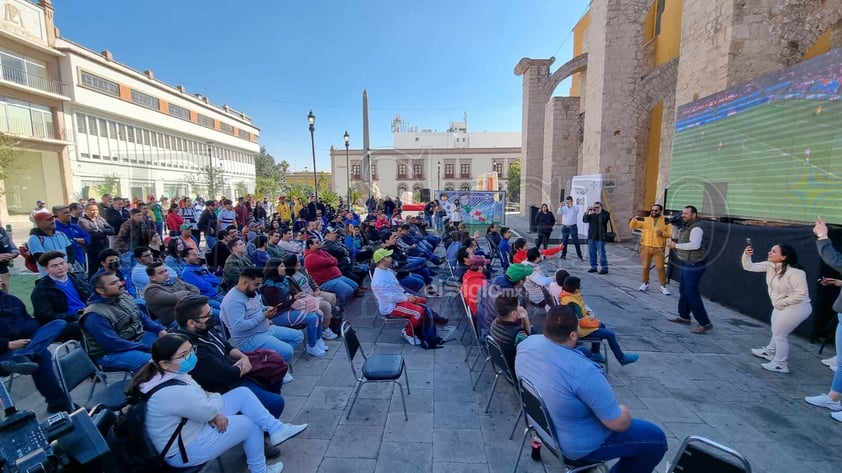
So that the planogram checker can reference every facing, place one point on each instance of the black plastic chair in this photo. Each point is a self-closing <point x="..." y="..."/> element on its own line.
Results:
<point x="701" y="455"/>
<point x="74" y="366"/>
<point x="375" y="368"/>
<point x="539" y="421"/>
<point x="501" y="368"/>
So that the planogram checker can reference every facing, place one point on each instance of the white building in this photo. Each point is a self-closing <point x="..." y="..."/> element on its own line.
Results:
<point x="428" y="159"/>
<point x="76" y="119"/>
<point x="153" y="137"/>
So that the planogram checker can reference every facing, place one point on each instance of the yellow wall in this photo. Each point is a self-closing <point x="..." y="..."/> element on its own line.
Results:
<point x="579" y="48"/>
<point x="821" y="46"/>
<point x="650" y="187"/>
<point x="668" y="39"/>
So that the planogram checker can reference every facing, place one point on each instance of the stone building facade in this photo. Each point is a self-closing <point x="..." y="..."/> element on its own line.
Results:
<point x="635" y="62"/>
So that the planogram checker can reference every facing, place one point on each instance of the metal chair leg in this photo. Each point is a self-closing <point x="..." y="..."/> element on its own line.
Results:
<point x="353" y="401"/>
<point x="493" y="388"/>
<point x="520" y="451"/>
<point x="514" y="427"/>
<point x="479" y="374"/>
<point x="406" y="377"/>
<point x="403" y="401"/>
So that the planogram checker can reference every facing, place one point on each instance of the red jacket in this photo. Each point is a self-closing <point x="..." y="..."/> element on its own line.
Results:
<point x="321" y="266"/>
<point x="472" y="284"/>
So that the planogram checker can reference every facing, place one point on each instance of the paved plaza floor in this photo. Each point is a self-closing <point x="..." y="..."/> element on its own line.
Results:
<point x="708" y="385"/>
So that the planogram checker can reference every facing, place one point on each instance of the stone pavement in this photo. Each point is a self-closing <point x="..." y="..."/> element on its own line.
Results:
<point x="707" y="385"/>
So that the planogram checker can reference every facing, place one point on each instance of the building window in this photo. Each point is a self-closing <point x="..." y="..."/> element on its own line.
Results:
<point x="112" y="130"/>
<point x="498" y="168"/>
<point x="205" y="121"/>
<point x="100" y="84"/>
<point x="179" y="112"/>
<point x="121" y="131"/>
<point x="25" y="71"/>
<point x="226" y="128"/>
<point x="401" y="171"/>
<point x="130" y="134"/>
<point x="28" y="119"/>
<point x="243" y="134"/>
<point x="448" y="171"/>
<point x="401" y="189"/>
<point x="418" y="171"/>
<point x="355" y="171"/>
<point x="373" y="172"/>
<point x="82" y="123"/>
<point x="465" y="170"/>
<point x="145" y="100"/>
<point x="465" y="186"/>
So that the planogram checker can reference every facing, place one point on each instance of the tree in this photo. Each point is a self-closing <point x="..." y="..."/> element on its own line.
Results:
<point x="209" y="181"/>
<point x="10" y="151"/>
<point x="109" y="184"/>
<point x="513" y="187"/>
<point x="241" y="189"/>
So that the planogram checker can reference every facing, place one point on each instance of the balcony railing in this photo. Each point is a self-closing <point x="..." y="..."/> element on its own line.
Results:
<point x="26" y="128"/>
<point x="419" y="175"/>
<point x="28" y="79"/>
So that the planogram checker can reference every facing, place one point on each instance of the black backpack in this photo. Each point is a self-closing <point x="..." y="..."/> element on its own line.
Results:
<point x="129" y="444"/>
<point x="427" y="332"/>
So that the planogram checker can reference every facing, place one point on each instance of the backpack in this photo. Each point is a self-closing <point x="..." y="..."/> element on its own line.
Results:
<point x="132" y="449"/>
<point x="427" y="331"/>
<point x="29" y="260"/>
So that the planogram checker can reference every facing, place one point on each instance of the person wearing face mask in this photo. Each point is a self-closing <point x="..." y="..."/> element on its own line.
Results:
<point x="215" y="422"/>
<point x="163" y="292"/>
<point x="109" y="263"/>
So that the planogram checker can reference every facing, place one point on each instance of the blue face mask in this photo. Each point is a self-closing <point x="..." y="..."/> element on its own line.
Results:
<point x="188" y="363"/>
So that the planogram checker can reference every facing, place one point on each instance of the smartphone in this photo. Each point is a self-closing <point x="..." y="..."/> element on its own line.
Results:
<point x="748" y="241"/>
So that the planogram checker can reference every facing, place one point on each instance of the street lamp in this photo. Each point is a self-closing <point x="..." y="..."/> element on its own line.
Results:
<point x="311" y="120"/>
<point x="348" y="169"/>
<point x="439" y="176"/>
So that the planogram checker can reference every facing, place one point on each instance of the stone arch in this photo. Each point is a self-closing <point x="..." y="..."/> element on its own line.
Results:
<point x="800" y="25"/>
<point x="577" y="64"/>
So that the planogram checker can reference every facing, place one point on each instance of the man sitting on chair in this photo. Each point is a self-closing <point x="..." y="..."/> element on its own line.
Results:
<point x="590" y="424"/>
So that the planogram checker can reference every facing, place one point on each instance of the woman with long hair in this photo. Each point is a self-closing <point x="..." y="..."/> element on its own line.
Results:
<point x="327" y="300"/>
<point x="787" y="285"/>
<point x="544" y="223"/>
<point x="174" y="220"/>
<point x="282" y="293"/>
<point x="215" y="422"/>
<point x="173" y="260"/>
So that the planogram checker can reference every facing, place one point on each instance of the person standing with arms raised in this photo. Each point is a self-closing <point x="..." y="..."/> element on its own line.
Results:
<point x="654" y="233"/>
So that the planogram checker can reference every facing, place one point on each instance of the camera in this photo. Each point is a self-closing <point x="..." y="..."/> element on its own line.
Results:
<point x="675" y="219"/>
<point x="62" y="442"/>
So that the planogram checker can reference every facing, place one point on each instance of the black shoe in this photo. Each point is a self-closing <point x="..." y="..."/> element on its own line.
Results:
<point x="563" y="256"/>
<point x="19" y="364"/>
<point x="603" y="271"/>
<point x="592" y="270"/>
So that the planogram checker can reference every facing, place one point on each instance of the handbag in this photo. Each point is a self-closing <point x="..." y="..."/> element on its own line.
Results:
<point x="589" y="322"/>
<point x="268" y="368"/>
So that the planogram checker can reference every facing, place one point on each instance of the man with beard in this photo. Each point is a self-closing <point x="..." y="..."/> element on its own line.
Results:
<point x="655" y="231"/>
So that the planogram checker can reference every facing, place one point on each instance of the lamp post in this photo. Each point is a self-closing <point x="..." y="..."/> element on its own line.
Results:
<point x="311" y="120"/>
<point x="438" y="188"/>
<point x="348" y="169"/>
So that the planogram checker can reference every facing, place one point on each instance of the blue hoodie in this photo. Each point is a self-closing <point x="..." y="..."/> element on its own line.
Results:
<point x="203" y="279"/>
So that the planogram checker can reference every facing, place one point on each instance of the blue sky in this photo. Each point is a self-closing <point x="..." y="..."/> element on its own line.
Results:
<point x="428" y="61"/>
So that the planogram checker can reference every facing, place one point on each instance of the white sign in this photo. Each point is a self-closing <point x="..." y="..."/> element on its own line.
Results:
<point x="585" y="191"/>
<point x="23" y="19"/>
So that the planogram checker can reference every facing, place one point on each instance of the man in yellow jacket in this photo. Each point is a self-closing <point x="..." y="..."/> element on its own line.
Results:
<point x="655" y="234"/>
<point x="283" y="210"/>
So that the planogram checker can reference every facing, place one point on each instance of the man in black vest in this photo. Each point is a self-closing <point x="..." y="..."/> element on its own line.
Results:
<point x="691" y="250"/>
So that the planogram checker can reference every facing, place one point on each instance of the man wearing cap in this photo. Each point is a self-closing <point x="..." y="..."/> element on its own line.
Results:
<point x="342" y="255"/>
<point x="44" y="237"/>
<point x="392" y="300"/>
<point x="40" y="207"/>
<point x="186" y="237"/>
<point x="78" y="237"/>
<point x="576" y="392"/>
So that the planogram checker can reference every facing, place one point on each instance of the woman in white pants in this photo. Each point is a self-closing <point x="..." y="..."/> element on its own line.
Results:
<point x="787" y="285"/>
<point x="215" y="422"/>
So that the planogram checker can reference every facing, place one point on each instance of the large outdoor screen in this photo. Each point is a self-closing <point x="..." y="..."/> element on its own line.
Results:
<point x="770" y="149"/>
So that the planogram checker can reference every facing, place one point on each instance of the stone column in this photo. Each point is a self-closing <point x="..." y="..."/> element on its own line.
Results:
<point x="536" y="75"/>
<point x="561" y="147"/>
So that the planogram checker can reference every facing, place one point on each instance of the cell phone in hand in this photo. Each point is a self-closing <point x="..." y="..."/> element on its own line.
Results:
<point x="748" y="241"/>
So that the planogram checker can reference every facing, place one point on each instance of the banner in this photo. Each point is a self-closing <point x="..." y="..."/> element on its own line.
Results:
<point x="475" y="207"/>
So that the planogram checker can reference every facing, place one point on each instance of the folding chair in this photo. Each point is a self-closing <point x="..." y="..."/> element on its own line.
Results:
<point x="701" y="455"/>
<point x="375" y="368"/>
<point x="470" y="327"/>
<point x="539" y="421"/>
<point x="501" y="367"/>
<point x="385" y="319"/>
<point x="74" y="366"/>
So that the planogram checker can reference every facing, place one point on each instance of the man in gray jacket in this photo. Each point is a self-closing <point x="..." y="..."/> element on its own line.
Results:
<point x="163" y="293"/>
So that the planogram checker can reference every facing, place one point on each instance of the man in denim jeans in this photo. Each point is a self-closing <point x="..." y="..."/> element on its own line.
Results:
<point x="590" y="424"/>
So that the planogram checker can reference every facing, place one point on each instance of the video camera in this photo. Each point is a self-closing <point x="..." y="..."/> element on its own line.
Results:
<point x="62" y="442"/>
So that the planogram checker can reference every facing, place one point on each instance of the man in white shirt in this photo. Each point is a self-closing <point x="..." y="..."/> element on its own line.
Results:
<point x="569" y="220"/>
<point x="393" y="300"/>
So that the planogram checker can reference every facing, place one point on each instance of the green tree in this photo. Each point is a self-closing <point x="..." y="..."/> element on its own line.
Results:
<point x="208" y="181"/>
<point x="108" y="185"/>
<point x="513" y="187"/>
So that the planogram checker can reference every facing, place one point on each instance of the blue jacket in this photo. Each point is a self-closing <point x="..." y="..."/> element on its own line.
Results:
<point x="15" y="321"/>
<point x="74" y="231"/>
<point x="505" y="253"/>
<point x="200" y="277"/>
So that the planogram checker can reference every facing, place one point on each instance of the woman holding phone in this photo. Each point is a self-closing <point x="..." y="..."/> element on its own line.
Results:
<point x="787" y="285"/>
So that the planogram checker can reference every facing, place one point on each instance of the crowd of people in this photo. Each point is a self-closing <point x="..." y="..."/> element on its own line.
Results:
<point x="185" y="296"/>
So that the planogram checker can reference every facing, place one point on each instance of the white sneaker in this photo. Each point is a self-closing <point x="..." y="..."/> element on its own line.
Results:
<point x="776" y="367"/>
<point x="287" y="378"/>
<point x="836" y="416"/>
<point x="411" y="339"/>
<point x="665" y="290"/>
<point x="328" y="334"/>
<point x="829" y="361"/>
<point x="321" y="344"/>
<point x="315" y="351"/>
<point x="643" y="287"/>
<point x="823" y="400"/>
<point x="275" y="467"/>
<point x="287" y="432"/>
<point x="763" y="353"/>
